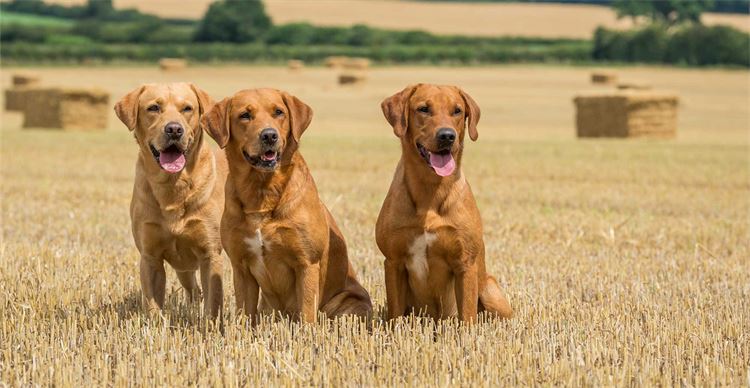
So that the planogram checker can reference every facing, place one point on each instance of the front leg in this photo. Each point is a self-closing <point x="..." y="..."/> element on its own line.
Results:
<point x="307" y="283"/>
<point x="467" y="293"/>
<point x="213" y="287"/>
<point x="153" y="283"/>
<point x="246" y="290"/>
<point x="396" y="287"/>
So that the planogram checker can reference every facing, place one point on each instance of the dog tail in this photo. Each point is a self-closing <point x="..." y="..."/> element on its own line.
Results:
<point x="493" y="300"/>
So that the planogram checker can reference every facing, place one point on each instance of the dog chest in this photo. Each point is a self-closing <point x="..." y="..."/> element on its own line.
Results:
<point x="417" y="264"/>
<point x="256" y="245"/>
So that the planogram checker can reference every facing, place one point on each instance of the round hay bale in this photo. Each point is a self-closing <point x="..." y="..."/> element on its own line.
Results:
<point x="335" y="62"/>
<point x="604" y="78"/>
<point x="295" y="64"/>
<point x="172" y="64"/>
<point x="25" y="80"/>
<point x="357" y="64"/>
<point x="352" y="77"/>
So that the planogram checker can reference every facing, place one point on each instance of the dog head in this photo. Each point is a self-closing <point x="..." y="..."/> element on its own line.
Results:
<point x="431" y="121"/>
<point x="165" y="119"/>
<point x="264" y="126"/>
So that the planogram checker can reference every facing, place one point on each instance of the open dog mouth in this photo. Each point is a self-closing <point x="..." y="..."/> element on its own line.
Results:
<point x="171" y="159"/>
<point x="268" y="160"/>
<point x="441" y="161"/>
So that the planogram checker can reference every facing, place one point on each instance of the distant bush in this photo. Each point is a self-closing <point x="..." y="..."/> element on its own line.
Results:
<point x="690" y="44"/>
<point x="233" y="21"/>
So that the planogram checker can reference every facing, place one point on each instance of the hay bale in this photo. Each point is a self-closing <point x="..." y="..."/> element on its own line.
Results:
<point x="633" y="86"/>
<point x="352" y="77"/>
<point x="335" y="62"/>
<point x="25" y="80"/>
<point x="15" y="99"/>
<point x="626" y="114"/>
<point x="66" y="108"/>
<point x="172" y="64"/>
<point x="295" y="64"/>
<point x="357" y="64"/>
<point x="603" y="78"/>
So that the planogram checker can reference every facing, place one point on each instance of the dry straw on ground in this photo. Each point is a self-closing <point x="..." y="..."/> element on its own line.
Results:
<point x="172" y="64"/>
<point x="626" y="114"/>
<point x="66" y="108"/>
<point x="601" y="77"/>
<point x="626" y="262"/>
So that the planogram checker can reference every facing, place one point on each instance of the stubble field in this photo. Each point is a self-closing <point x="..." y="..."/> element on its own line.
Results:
<point x="627" y="262"/>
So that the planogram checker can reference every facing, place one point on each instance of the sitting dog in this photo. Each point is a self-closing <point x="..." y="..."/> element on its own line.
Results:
<point x="284" y="245"/>
<point x="178" y="194"/>
<point x="429" y="228"/>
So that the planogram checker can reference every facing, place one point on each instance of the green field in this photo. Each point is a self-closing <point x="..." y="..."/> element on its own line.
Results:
<point x="33" y="20"/>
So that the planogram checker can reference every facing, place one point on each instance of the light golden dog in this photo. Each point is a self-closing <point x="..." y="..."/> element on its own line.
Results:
<point x="429" y="228"/>
<point x="178" y="194"/>
<point x="284" y="245"/>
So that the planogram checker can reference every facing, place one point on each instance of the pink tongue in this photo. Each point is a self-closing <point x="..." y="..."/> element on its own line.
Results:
<point x="442" y="164"/>
<point x="171" y="161"/>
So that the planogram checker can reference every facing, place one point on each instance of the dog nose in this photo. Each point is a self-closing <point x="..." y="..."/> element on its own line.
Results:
<point x="446" y="136"/>
<point x="269" y="136"/>
<point x="173" y="130"/>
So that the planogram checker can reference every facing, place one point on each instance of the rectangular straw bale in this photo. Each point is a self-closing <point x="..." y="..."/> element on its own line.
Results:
<point x="357" y="64"/>
<point x="602" y="77"/>
<point x="172" y="64"/>
<point x="352" y="77"/>
<point x="626" y="114"/>
<point x="25" y="79"/>
<point x="66" y="108"/>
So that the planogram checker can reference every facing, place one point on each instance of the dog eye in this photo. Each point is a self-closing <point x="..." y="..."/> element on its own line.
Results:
<point x="187" y="109"/>
<point x="245" y="116"/>
<point x="457" y="111"/>
<point x="424" y="109"/>
<point x="153" y="108"/>
<point x="278" y="112"/>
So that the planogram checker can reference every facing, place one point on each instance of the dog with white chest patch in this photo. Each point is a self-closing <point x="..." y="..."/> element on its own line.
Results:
<point x="178" y="195"/>
<point x="429" y="228"/>
<point x="287" y="253"/>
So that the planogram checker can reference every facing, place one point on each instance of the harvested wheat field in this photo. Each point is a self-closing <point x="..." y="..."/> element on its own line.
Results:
<point x="626" y="261"/>
<point x="481" y="19"/>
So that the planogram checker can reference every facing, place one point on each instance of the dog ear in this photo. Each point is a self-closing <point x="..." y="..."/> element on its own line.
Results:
<point x="216" y="121"/>
<point x="127" y="108"/>
<point x="472" y="114"/>
<point x="204" y="100"/>
<point x="300" y="114"/>
<point x="396" y="109"/>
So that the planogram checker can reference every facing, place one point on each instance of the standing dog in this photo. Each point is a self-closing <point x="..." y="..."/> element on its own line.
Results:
<point x="429" y="227"/>
<point x="178" y="195"/>
<point x="283" y="243"/>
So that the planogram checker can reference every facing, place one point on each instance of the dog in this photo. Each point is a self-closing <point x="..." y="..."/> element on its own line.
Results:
<point x="286" y="251"/>
<point x="178" y="195"/>
<point x="429" y="228"/>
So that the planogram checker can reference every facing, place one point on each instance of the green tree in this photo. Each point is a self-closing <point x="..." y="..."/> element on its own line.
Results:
<point x="237" y="21"/>
<point x="669" y="11"/>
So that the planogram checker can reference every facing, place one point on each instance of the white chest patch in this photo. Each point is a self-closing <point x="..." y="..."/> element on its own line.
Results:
<point x="255" y="246"/>
<point x="417" y="265"/>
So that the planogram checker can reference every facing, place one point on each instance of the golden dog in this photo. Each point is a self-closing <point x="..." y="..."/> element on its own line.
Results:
<point x="178" y="194"/>
<point x="283" y="243"/>
<point x="429" y="228"/>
